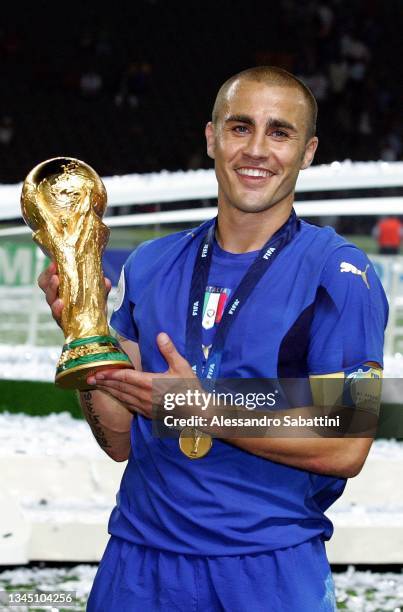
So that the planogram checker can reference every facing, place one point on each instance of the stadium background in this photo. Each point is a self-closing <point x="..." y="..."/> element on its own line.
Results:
<point x="129" y="91"/>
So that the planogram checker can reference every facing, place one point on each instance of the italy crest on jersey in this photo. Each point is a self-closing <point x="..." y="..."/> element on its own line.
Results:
<point x="215" y="299"/>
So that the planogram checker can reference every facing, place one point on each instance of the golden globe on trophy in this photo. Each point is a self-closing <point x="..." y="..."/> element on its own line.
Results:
<point x="63" y="201"/>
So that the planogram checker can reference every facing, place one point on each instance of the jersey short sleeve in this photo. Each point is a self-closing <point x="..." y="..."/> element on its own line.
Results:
<point x="122" y="317"/>
<point x="350" y="314"/>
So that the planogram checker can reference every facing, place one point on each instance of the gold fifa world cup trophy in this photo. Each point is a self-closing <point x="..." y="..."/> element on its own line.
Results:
<point x="63" y="201"/>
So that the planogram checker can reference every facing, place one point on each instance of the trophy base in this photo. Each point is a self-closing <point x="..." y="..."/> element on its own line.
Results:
<point x="83" y="357"/>
<point x="76" y="378"/>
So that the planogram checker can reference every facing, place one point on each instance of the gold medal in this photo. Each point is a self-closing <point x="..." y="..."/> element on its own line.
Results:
<point x="193" y="443"/>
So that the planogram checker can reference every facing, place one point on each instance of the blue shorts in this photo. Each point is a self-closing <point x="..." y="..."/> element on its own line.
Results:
<point x="133" y="578"/>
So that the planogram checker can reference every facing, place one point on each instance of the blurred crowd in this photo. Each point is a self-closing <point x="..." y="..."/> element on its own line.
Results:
<point x="130" y="91"/>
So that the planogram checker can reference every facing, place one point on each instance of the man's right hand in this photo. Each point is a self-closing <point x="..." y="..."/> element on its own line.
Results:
<point x="110" y="421"/>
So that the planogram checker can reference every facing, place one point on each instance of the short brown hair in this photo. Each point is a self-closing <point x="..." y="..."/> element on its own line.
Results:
<point x="271" y="75"/>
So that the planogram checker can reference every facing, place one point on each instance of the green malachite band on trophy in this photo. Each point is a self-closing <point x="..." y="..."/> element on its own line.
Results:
<point x="90" y="358"/>
<point x="90" y="340"/>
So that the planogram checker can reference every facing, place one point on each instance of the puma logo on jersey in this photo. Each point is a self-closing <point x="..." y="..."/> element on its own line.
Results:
<point x="348" y="267"/>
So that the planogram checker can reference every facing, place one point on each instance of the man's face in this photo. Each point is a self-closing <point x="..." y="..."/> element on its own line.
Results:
<point x="259" y="145"/>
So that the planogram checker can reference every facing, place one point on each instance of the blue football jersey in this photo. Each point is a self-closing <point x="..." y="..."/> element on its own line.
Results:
<point x="318" y="309"/>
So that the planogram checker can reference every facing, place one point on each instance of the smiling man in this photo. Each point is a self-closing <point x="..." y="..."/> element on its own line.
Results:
<point x="261" y="136"/>
<point x="255" y="293"/>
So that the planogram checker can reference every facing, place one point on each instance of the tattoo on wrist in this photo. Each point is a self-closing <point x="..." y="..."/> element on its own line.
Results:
<point x="93" y="420"/>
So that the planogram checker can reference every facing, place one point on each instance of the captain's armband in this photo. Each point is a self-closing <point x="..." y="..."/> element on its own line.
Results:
<point x="359" y="387"/>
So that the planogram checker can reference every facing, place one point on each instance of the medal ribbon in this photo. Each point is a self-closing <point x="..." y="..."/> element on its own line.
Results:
<point x="257" y="269"/>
